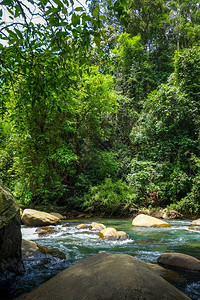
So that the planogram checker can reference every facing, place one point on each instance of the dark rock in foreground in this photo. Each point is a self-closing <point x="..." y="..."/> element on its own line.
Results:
<point x="107" y="276"/>
<point x="10" y="235"/>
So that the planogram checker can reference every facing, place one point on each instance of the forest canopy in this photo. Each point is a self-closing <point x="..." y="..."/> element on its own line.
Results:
<point x="100" y="104"/>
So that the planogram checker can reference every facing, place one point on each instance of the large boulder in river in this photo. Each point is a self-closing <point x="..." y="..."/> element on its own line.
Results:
<point x="107" y="276"/>
<point x="10" y="234"/>
<point x="32" y="217"/>
<point x="148" y="221"/>
<point x="179" y="261"/>
<point x="196" y="222"/>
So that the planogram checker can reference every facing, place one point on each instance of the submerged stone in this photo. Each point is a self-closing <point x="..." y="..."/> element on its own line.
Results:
<point x="43" y="231"/>
<point x="194" y="228"/>
<point x="82" y="226"/>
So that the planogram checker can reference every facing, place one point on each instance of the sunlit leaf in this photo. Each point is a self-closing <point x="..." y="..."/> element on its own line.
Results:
<point x="79" y="9"/>
<point x="95" y="12"/>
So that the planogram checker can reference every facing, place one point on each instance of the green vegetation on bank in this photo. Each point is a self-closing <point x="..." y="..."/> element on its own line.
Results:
<point x="100" y="106"/>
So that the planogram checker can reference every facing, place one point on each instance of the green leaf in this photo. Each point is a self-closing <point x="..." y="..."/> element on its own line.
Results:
<point x="17" y="11"/>
<point x="7" y="2"/>
<point x="58" y="2"/>
<point x="97" y="41"/>
<point x="19" y="33"/>
<point x="95" y="11"/>
<point x="10" y="11"/>
<point x="43" y="3"/>
<point x="102" y="17"/>
<point x="79" y="9"/>
<point x="64" y="10"/>
<point x="75" y="20"/>
<point x="1" y="13"/>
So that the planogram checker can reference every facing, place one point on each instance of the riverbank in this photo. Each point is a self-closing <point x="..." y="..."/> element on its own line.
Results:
<point x="157" y="212"/>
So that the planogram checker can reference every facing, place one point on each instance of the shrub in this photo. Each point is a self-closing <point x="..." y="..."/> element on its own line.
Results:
<point x="110" y="197"/>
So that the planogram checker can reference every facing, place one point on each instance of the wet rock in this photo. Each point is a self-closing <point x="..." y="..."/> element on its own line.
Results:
<point x="42" y="231"/>
<point x="122" y="235"/>
<point x="196" y="222"/>
<point x="53" y="251"/>
<point x="108" y="233"/>
<point x="111" y="233"/>
<point x="107" y="276"/>
<point x="10" y="234"/>
<point x="194" y="228"/>
<point x="148" y="221"/>
<point x="83" y="226"/>
<point x="30" y="248"/>
<point x="32" y="217"/>
<point x="66" y="224"/>
<point x="97" y="226"/>
<point x="179" y="261"/>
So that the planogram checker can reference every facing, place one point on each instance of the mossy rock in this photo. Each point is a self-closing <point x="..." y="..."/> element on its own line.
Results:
<point x="10" y="234"/>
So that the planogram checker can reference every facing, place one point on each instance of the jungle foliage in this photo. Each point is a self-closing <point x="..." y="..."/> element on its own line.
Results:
<point x="100" y="103"/>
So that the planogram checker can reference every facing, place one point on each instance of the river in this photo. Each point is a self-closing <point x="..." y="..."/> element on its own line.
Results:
<point x="144" y="243"/>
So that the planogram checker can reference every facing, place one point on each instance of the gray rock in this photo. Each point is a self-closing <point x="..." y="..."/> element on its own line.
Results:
<point x="107" y="276"/>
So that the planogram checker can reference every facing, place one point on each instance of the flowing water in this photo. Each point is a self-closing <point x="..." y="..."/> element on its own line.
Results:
<point x="144" y="243"/>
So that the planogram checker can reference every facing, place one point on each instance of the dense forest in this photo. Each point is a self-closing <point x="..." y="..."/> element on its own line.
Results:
<point x="100" y="104"/>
